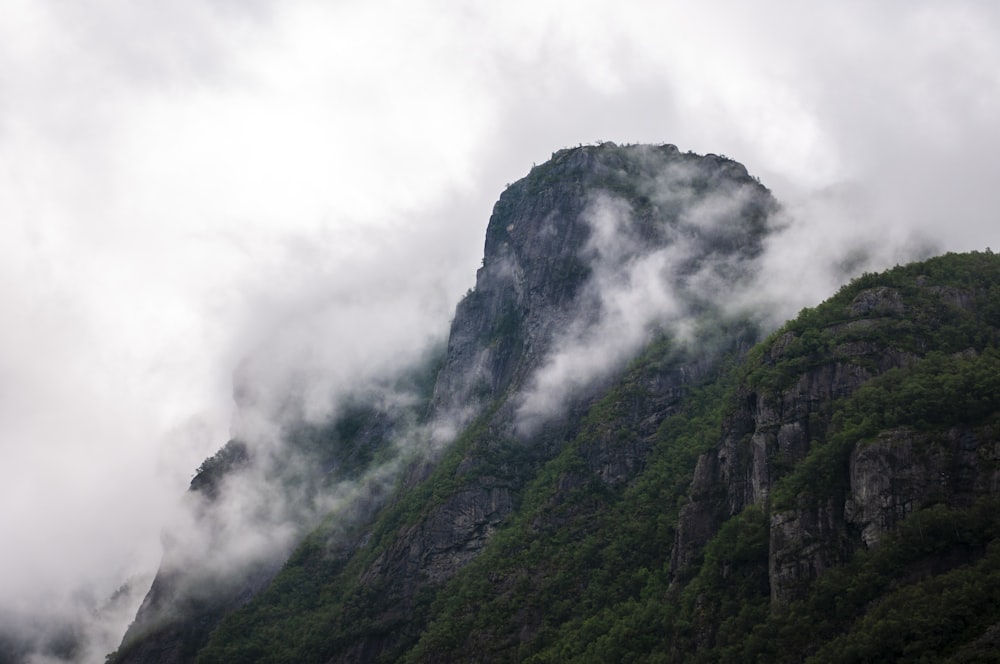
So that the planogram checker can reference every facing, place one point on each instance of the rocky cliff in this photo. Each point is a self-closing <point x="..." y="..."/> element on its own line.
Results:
<point x="564" y="246"/>
<point x="611" y="467"/>
<point x="854" y="425"/>
<point x="587" y="217"/>
<point x="786" y="410"/>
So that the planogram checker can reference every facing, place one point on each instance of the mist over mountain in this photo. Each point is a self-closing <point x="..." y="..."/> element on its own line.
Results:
<point x="297" y="191"/>
<point x="615" y="456"/>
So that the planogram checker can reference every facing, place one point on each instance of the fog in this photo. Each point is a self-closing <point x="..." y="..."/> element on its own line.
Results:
<point x="301" y="189"/>
<point x="640" y="288"/>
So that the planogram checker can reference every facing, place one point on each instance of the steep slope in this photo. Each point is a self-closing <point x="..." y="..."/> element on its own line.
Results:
<point x="610" y="468"/>
<point x="685" y="555"/>
<point x="252" y="503"/>
<point x="589" y="258"/>
<point x="576" y="233"/>
<point x="848" y="473"/>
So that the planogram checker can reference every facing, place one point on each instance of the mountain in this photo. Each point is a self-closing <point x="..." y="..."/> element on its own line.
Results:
<point x="608" y="462"/>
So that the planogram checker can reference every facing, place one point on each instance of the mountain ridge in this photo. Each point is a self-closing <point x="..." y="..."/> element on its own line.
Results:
<point x="605" y="446"/>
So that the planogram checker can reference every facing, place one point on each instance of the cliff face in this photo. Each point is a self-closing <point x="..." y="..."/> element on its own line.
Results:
<point x="609" y="466"/>
<point x="786" y="409"/>
<point x="586" y="214"/>
<point x="561" y="245"/>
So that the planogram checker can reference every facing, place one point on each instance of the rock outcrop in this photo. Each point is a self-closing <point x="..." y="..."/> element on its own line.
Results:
<point x="784" y="410"/>
<point x="588" y="209"/>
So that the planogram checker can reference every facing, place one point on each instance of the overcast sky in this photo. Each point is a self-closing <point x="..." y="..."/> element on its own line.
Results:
<point x="185" y="183"/>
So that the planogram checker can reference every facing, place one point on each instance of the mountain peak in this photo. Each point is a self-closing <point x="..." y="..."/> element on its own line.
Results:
<point x="605" y="464"/>
<point x="598" y="237"/>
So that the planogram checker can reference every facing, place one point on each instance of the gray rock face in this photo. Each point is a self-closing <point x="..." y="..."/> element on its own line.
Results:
<point x="804" y="542"/>
<point x="771" y="430"/>
<point x="549" y="234"/>
<point x="877" y="301"/>
<point x="448" y="538"/>
<point x="903" y="470"/>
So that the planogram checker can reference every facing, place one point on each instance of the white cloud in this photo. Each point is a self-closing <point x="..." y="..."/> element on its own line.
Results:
<point x="183" y="182"/>
<point x="639" y="287"/>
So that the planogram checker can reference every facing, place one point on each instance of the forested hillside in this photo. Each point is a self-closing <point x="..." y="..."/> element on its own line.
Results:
<point x="826" y="493"/>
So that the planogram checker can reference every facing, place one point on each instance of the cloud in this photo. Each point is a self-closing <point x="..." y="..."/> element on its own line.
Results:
<point x="187" y="184"/>
<point x="648" y="279"/>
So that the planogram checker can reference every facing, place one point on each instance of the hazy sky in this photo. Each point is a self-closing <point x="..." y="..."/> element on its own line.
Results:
<point x="185" y="183"/>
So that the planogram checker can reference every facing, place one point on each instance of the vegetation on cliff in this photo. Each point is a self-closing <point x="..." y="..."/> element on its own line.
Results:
<point x="826" y="494"/>
<point x="581" y="570"/>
